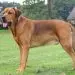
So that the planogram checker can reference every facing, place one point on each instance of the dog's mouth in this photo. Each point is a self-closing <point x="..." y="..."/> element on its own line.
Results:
<point x="5" y="25"/>
<point x="5" y="22"/>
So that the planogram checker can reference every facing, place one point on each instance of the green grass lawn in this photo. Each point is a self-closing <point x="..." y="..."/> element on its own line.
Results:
<point x="46" y="60"/>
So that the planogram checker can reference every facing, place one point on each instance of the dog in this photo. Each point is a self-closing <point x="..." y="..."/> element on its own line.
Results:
<point x="32" y="33"/>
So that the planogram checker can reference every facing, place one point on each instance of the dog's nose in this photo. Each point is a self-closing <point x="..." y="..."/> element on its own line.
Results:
<point x="3" y="17"/>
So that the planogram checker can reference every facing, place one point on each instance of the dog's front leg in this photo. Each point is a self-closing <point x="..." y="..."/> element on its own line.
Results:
<point x="23" y="57"/>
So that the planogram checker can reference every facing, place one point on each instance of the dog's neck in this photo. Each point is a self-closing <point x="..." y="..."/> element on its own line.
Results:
<point x="12" y="27"/>
<point x="16" y="25"/>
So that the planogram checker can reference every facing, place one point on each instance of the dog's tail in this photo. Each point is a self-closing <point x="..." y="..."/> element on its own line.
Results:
<point x="73" y="36"/>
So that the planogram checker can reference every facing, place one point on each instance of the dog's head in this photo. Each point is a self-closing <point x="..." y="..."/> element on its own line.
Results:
<point x="10" y="15"/>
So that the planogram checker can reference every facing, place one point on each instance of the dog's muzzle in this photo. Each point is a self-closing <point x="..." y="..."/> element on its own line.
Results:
<point x="5" y="24"/>
<point x="4" y="20"/>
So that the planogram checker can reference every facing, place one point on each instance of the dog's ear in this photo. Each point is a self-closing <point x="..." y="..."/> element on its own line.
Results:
<point x="17" y="12"/>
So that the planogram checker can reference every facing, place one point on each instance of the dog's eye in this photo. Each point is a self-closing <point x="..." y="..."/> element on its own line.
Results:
<point x="10" y="13"/>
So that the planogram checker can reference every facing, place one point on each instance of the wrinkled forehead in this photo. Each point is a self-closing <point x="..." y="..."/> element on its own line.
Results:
<point x="6" y="10"/>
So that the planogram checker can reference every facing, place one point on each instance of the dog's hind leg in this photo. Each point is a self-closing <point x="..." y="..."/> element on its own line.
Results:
<point x="66" y="43"/>
<point x="73" y="39"/>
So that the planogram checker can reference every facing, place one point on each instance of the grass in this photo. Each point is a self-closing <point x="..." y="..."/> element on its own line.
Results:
<point x="45" y="60"/>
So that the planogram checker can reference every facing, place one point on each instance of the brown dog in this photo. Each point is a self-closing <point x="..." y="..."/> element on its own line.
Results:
<point x="30" y="33"/>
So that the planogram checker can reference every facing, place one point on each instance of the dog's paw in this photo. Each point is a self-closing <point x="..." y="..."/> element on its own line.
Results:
<point x="73" y="68"/>
<point x="20" y="69"/>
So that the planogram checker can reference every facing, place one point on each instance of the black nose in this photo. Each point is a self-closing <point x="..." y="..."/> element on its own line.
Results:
<point x="3" y="17"/>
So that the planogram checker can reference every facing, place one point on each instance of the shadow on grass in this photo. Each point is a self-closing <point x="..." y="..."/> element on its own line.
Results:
<point x="50" y="71"/>
<point x="54" y="71"/>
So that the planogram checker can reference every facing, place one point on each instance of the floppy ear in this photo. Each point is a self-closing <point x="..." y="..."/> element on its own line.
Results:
<point x="17" y="12"/>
